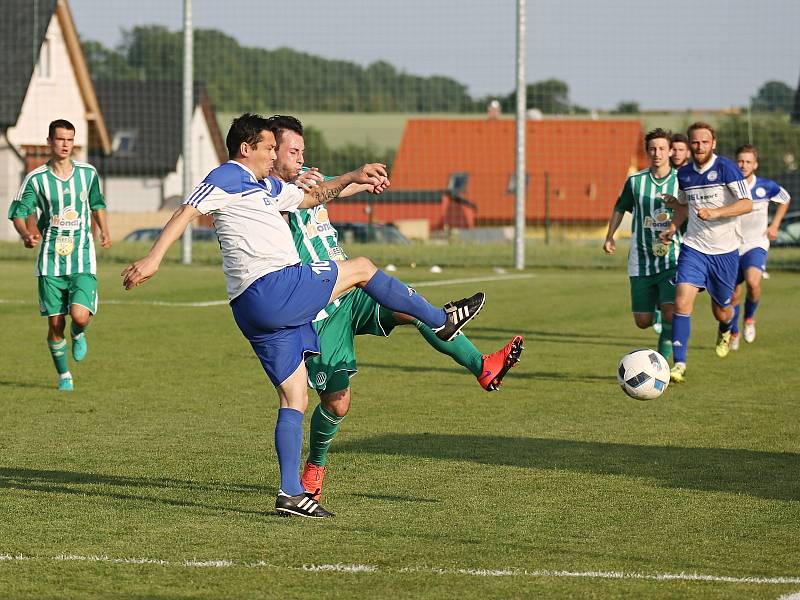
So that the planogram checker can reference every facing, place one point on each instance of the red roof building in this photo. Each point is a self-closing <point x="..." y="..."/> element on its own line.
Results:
<point x="575" y="168"/>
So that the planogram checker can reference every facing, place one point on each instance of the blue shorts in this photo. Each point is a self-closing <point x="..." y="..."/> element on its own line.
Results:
<point x="713" y="272"/>
<point x="276" y="311"/>
<point x="755" y="257"/>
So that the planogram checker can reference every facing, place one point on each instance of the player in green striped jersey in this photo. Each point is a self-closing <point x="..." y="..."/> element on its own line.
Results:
<point x="64" y="193"/>
<point x="353" y="314"/>
<point x="651" y="263"/>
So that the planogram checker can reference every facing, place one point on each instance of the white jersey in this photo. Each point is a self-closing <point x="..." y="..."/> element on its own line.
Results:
<point x="253" y="236"/>
<point x="754" y="224"/>
<point x="719" y="183"/>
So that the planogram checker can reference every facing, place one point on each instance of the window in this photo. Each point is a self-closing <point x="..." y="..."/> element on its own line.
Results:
<point x="45" y="65"/>
<point x="458" y="183"/>
<point x="123" y="142"/>
<point x="512" y="183"/>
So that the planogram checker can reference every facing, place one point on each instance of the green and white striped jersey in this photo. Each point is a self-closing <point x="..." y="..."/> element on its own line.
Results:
<point x="316" y="239"/>
<point x="64" y="207"/>
<point x="641" y="196"/>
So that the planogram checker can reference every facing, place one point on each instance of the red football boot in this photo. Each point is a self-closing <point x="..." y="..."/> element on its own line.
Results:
<point x="312" y="478"/>
<point x="495" y="366"/>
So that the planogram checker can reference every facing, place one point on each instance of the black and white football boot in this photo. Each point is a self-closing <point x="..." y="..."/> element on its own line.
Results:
<point x="458" y="313"/>
<point x="302" y="505"/>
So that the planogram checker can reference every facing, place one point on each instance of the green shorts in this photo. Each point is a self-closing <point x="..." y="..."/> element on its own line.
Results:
<point x="58" y="294"/>
<point x="357" y="314"/>
<point x="649" y="292"/>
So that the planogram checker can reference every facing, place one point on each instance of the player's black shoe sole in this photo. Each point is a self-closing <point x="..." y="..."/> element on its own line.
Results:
<point x="302" y="505"/>
<point x="458" y="314"/>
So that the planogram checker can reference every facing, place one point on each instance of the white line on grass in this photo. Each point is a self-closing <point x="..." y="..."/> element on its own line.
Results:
<point x="345" y="568"/>
<point x="795" y="596"/>
<point x="222" y="302"/>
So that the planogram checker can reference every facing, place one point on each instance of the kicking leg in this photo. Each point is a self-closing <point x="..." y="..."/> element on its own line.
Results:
<point x="396" y="296"/>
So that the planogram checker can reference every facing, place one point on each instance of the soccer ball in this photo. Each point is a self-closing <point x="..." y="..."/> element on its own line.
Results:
<point x="643" y="374"/>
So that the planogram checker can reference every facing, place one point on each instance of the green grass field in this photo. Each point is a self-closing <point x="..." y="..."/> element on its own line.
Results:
<point x="156" y="477"/>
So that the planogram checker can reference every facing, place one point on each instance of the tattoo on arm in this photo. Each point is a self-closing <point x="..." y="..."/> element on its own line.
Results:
<point x="327" y="191"/>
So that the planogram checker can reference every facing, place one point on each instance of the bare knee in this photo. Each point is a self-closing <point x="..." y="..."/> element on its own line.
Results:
<point x="365" y="267"/>
<point x="336" y="403"/>
<point x="643" y="320"/>
<point x="81" y="317"/>
<point x="55" y="327"/>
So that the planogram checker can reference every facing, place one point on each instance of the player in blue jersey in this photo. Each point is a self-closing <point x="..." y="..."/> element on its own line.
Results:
<point x="353" y="314"/>
<point x="756" y="236"/>
<point x="712" y="195"/>
<point x="273" y="297"/>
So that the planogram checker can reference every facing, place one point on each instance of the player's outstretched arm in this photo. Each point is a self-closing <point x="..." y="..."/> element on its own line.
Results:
<point x="145" y="268"/>
<point x="373" y="174"/>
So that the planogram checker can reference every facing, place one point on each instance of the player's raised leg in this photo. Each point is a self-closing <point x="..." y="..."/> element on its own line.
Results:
<point x="397" y="296"/>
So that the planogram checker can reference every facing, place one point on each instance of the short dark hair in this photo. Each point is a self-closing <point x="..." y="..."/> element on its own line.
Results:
<point x="679" y="137"/>
<point x="747" y="148"/>
<point x="246" y="128"/>
<point x="281" y="123"/>
<point x="59" y="124"/>
<point x="701" y="125"/>
<point x="656" y="134"/>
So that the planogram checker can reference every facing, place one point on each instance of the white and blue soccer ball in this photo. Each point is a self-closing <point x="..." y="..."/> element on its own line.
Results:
<point x="643" y="374"/>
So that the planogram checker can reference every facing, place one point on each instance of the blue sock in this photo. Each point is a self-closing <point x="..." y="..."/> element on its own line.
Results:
<point x="288" y="443"/>
<point x="750" y="309"/>
<point x="735" y="322"/>
<point x="397" y="296"/>
<point x="681" y="328"/>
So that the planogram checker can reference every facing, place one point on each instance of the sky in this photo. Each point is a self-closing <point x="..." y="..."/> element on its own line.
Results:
<point x="705" y="54"/>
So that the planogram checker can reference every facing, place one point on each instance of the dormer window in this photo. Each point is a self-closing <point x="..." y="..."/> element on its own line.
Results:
<point x="44" y="68"/>
<point x="123" y="142"/>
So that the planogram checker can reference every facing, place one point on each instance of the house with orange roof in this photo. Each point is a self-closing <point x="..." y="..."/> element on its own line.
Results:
<point x="575" y="168"/>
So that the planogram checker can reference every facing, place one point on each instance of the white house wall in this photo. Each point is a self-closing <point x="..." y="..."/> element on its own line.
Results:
<point x="47" y="98"/>
<point x="55" y="97"/>
<point x="204" y="157"/>
<point x="10" y="169"/>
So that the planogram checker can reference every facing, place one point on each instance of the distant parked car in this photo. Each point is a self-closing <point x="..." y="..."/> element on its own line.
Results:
<point x="199" y="234"/>
<point x="789" y="231"/>
<point x="363" y="233"/>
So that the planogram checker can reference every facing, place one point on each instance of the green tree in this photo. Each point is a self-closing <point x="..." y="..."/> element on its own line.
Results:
<point x="774" y="96"/>
<point x="551" y="96"/>
<point x="778" y="141"/>
<point x="628" y="107"/>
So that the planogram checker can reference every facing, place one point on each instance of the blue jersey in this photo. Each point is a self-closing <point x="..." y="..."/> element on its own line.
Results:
<point x="719" y="183"/>
<point x="754" y="224"/>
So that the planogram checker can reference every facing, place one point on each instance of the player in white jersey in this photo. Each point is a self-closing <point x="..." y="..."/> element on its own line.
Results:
<point x="712" y="194"/>
<point x="756" y="236"/>
<point x="353" y="314"/>
<point x="273" y="297"/>
<point x="64" y="193"/>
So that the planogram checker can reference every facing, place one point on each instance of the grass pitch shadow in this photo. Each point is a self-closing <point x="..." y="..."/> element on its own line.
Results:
<point x="772" y="475"/>
<point x="130" y="488"/>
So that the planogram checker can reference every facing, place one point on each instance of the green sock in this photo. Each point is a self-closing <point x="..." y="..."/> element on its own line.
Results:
<point x="460" y="349"/>
<point x="58" y="350"/>
<point x="324" y="426"/>
<point x="665" y="341"/>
